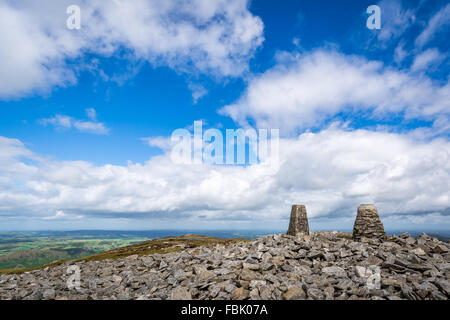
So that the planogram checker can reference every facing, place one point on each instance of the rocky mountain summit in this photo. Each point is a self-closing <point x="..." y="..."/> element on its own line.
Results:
<point x="322" y="265"/>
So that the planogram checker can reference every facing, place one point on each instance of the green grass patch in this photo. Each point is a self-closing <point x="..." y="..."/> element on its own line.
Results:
<point x="157" y="246"/>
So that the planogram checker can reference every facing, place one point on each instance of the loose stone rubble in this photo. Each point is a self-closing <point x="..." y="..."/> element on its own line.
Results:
<point x="299" y="221"/>
<point x="324" y="265"/>
<point x="368" y="223"/>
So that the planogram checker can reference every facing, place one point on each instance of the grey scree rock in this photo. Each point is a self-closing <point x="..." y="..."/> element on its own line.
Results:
<point x="299" y="221"/>
<point x="368" y="223"/>
<point x="323" y="265"/>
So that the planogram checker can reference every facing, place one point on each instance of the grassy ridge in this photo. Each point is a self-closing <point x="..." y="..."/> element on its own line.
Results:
<point x="19" y="250"/>
<point x="30" y="258"/>
<point x="161" y="246"/>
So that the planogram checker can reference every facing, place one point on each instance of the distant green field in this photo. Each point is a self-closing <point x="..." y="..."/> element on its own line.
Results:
<point x="26" y="250"/>
<point x="20" y="250"/>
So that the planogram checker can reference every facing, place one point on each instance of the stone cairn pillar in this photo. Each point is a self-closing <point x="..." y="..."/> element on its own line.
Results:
<point x="368" y="223"/>
<point x="299" y="221"/>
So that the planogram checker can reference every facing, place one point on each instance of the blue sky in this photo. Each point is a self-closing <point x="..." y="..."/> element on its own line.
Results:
<point x="87" y="115"/>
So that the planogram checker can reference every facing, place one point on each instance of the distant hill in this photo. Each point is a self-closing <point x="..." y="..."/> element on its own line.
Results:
<point x="55" y="257"/>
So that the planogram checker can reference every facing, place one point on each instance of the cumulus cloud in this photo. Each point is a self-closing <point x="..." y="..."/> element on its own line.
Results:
<point x="306" y="90"/>
<point x="62" y="122"/>
<point x="11" y="152"/>
<point x="331" y="171"/>
<point x="196" y="36"/>
<point x="29" y="58"/>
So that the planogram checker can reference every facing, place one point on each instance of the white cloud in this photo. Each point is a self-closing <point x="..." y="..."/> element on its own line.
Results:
<point x="400" y="54"/>
<point x="314" y="87"/>
<point x="91" y="114"/>
<point x="163" y="143"/>
<point x="29" y="58"/>
<point x="435" y="24"/>
<point x="11" y="152"/>
<point x="91" y="127"/>
<point x="58" y="215"/>
<point x="331" y="171"/>
<point x="12" y="148"/>
<point x="66" y="122"/>
<point x="440" y="127"/>
<point x="59" y="121"/>
<point x="196" y="36"/>
<point x="198" y="91"/>
<point x="394" y="20"/>
<point x="427" y="59"/>
<point x="61" y="215"/>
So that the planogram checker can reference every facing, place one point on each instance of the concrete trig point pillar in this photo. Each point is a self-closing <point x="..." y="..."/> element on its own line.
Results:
<point x="299" y="221"/>
<point x="368" y="223"/>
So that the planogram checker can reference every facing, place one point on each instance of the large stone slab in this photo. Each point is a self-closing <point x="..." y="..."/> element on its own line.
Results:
<point x="299" y="221"/>
<point x="368" y="223"/>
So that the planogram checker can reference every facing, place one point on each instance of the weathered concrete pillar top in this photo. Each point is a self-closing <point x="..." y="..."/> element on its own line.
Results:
<point x="368" y="223"/>
<point x="299" y="220"/>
